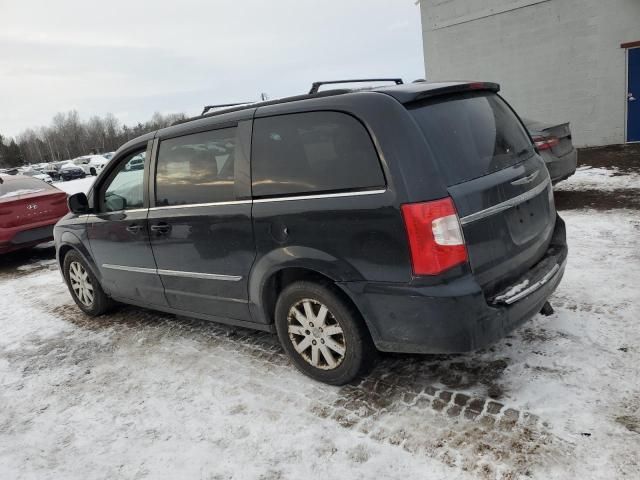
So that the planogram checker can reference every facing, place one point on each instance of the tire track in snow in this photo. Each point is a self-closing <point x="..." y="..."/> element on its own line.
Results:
<point x="407" y="401"/>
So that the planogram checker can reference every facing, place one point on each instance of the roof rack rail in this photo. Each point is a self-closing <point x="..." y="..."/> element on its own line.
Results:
<point x="222" y="105"/>
<point x="316" y="85"/>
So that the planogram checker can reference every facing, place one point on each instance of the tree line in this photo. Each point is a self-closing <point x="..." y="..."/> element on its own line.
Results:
<point x="69" y="137"/>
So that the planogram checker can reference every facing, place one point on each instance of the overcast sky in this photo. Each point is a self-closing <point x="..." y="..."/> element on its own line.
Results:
<point x="132" y="58"/>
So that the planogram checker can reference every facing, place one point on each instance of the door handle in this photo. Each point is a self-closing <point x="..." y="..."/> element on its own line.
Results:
<point x="133" y="229"/>
<point x="161" y="228"/>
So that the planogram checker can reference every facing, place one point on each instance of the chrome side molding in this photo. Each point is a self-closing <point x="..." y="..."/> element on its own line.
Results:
<point x="129" y="269"/>
<point x="174" y="273"/>
<point x="321" y="195"/>
<point x="206" y="276"/>
<point x="312" y="196"/>
<point x="196" y="205"/>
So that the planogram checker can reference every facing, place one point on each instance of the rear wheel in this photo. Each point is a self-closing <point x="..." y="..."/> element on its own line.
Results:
<point x="324" y="336"/>
<point x="93" y="171"/>
<point x="84" y="286"/>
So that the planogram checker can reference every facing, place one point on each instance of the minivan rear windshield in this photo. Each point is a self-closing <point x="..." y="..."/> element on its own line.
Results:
<point x="472" y="134"/>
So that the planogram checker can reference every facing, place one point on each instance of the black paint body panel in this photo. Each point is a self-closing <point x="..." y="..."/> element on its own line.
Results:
<point x="356" y="239"/>
<point x="112" y="244"/>
<point x="215" y="239"/>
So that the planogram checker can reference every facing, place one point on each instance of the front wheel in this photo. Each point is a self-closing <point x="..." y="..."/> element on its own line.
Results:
<point x="84" y="286"/>
<point x="323" y="335"/>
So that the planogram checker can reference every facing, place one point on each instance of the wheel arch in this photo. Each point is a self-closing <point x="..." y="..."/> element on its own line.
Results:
<point x="69" y="242"/>
<point x="274" y="272"/>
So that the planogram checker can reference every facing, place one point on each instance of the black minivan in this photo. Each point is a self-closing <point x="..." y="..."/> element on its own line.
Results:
<point x="408" y="218"/>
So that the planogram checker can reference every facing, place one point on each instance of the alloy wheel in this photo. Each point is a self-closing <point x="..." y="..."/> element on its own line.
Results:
<point x="81" y="283"/>
<point x="316" y="334"/>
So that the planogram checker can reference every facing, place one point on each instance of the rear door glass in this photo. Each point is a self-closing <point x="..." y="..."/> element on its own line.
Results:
<point x="312" y="152"/>
<point x="472" y="135"/>
<point x="197" y="168"/>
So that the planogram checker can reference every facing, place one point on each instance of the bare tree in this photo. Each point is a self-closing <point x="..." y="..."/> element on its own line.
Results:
<point x="68" y="136"/>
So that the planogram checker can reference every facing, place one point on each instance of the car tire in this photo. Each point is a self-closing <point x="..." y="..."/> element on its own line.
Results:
<point x="93" y="172"/>
<point x="84" y="286"/>
<point x="338" y="330"/>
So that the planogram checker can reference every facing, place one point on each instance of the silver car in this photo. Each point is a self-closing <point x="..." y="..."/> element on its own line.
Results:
<point x="555" y="147"/>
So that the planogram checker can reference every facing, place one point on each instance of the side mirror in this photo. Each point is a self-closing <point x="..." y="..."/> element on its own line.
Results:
<point x="78" y="203"/>
<point x="115" y="203"/>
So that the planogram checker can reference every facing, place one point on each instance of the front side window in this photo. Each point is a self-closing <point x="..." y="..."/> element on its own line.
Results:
<point x="124" y="190"/>
<point x="197" y="168"/>
<point x="312" y="152"/>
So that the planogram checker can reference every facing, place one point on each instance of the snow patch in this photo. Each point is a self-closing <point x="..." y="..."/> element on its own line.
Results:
<point x="608" y="179"/>
<point x="76" y="186"/>
<point x="24" y="191"/>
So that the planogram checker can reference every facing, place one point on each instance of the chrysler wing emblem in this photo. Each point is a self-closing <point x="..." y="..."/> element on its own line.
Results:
<point x="527" y="179"/>
<point x="32" y="206"/>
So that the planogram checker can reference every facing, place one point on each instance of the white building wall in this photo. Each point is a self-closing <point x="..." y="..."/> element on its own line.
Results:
<point x="556" y="60"/>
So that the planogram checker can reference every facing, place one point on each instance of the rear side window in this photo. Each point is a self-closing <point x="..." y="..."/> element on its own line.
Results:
<point x="312" y="152"/>
<point x="17" y="185"/>
<point x="472" y="135"/>
<point x="196" y="168"/>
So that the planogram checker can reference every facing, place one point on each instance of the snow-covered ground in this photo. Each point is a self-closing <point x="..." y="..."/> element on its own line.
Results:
<point x="137" y="394"/>
<point x="606" y="179"/>
<point x="76" y="186"/>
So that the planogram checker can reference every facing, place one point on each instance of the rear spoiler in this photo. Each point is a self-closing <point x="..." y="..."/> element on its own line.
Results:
<point x="423" y="90"/>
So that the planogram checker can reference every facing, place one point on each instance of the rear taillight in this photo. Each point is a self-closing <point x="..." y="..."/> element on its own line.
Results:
<point x="545" y="143"/>
<point x="435" y="236"/>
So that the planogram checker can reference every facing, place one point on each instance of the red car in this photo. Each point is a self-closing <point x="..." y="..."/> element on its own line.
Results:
<point x="29" y="208"/>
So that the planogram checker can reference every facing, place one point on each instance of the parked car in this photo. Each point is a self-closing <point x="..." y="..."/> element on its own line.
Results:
<point x="411" y="218"/>
<point x="91" y="164"/>
<point x="58" y="165"/>
<point x="554" y="145"/>
<point x="71" y="172"/>
<point x="52" y="172"/>
<point x="38" y="174"/>
<point x="29" y="208"/>
<point x="136" y="163"/>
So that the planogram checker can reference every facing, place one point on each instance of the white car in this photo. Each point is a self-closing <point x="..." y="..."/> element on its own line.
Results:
<point x="136" y="163"/>
<point x="91" y="164"/>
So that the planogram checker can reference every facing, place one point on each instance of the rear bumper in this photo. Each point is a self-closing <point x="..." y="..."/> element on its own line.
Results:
<point x="560" y="168"/>
<point x="455" y="317"/>
<point x="18" y="238"/>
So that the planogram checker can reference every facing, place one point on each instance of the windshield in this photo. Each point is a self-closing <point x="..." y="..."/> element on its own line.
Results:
<point x="472" y="135"/>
